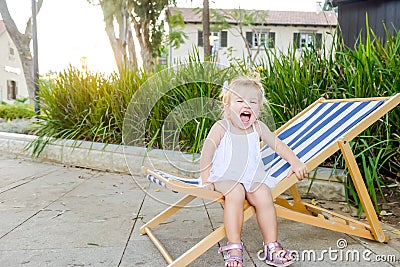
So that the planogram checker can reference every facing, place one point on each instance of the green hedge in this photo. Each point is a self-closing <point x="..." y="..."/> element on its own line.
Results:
<point x="16" y="111"/>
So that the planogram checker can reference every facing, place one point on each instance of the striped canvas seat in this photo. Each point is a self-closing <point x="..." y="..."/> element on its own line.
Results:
<point x="315" y="130"/>
<point x="315" y="134"/>
<point x="171" y="177"/>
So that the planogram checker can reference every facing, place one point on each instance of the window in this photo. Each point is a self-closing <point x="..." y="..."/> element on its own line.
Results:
<point x="224" y="38"/>
<point x="200" y="38"/>
<point x="307" y="40"/>
<point x="11" y="54"/>
<point x="219" y="38"/>
<point x="261" y="39"/>
<point x="11" y="90"/>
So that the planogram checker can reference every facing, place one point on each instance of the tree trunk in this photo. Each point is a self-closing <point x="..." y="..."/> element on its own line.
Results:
<point x="21" y="42"/>
<point x="133" y="62"/>
<point x="123" y="47"/>
<point x="206" y="30"/>
<point x="145" y="45"/>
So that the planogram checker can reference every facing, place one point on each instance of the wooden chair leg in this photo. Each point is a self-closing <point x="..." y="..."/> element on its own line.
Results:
<point x="362" y="192"/>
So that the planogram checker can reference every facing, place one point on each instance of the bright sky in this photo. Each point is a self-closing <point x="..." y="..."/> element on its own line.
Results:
<point x="71" y="29"/>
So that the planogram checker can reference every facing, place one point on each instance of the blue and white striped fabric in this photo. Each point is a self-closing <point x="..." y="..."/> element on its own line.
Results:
<point x="308" y="135"/>
<point x="314" y="131"/>
<point x="196" y="182"/>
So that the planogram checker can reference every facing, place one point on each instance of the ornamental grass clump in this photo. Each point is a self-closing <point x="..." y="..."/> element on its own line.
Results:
<point x="84" y="106"/>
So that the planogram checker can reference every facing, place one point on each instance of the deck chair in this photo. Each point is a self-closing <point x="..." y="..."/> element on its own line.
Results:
<point x="315" y="134"/>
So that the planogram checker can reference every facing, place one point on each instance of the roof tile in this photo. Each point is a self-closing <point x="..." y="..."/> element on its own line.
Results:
<point x="266" y="17"/>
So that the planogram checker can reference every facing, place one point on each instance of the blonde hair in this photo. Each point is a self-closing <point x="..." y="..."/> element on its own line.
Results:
<point x="240" y="82"/>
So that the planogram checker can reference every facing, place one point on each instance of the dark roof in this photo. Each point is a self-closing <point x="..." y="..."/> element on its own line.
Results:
<point x="336" y="2"/>
<point x="340" y="2"/>
<point x="265" y="17"/>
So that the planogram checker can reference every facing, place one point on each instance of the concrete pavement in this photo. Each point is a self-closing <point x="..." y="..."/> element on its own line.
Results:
<point x="55" y="215"/>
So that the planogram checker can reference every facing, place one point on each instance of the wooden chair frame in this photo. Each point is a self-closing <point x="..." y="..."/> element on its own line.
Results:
<point x="297" y="210"/>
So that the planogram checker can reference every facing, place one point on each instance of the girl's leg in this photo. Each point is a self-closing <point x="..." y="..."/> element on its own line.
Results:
<point x="233" y="208"/>
<point x="233" y="214"/>
<point x="262" y="201"/>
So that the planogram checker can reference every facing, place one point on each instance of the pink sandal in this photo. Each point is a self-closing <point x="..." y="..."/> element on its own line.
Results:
<point x="232" y="258"/>
<point x="275" y="255"/>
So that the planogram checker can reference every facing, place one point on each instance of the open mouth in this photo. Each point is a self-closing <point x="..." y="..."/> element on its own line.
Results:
<point x="245" y="116"/>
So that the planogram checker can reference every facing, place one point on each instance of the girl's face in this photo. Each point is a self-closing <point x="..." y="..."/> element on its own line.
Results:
<point x="244" y="107"/>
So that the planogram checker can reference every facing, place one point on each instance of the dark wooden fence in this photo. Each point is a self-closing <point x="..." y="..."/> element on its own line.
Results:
<point x="352" y="18"/>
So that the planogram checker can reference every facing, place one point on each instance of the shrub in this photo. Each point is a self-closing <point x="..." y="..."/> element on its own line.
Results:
<point x="16" y="111"/>
<point x="85" y="106"/>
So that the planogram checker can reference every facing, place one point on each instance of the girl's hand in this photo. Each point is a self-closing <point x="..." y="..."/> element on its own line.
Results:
<point x="209" y="186"/>
<point x="299" y="169"/>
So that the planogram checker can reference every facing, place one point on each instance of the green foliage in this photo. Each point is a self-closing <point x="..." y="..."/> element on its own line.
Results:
<point x="16" y="111"/>
<point x="147" y="15"/>
<point x="176" y="36"/>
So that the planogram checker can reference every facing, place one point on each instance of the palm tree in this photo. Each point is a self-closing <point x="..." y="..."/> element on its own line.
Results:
<point x="206" y="29"/>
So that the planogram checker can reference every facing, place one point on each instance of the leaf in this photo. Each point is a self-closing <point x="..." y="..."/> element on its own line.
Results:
<point x="396" y="232"/>
<point x="93" y="244"/>
<point x="314" y="202"/>
<point x="385" y="213"/>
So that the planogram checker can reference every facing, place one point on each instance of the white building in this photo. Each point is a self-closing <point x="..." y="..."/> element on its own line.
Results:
<point x="279" y="30"/>
<point x="12" y="79"/>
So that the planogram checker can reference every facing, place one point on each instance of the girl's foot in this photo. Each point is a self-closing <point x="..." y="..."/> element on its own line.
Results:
<point x="275" y="255"/>
<point x="233" y="255"/>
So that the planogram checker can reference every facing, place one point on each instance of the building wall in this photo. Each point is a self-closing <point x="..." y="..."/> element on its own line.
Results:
<point x="283" y="41"/>
<point x="10" y="70"/>
<point x="352" y="18"/>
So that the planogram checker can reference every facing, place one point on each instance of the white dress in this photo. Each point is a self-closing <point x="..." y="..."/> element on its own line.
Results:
<point x="238" y="158"/>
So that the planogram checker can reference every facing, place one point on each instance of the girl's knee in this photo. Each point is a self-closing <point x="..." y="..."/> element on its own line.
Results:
<point x="260" y="196"/>
<point x="237" y="191"/>
<point x="259" y="189"/>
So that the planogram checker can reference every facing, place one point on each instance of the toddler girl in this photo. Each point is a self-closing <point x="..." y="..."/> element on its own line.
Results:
<point x="231" y="164"/>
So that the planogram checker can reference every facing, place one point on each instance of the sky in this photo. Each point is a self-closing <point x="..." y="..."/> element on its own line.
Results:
<point x="69" y="30"/>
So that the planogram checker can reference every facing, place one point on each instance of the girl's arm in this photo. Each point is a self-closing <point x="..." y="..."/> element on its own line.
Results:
<point x="211" y="143"/>
<point x="296" y="166"/>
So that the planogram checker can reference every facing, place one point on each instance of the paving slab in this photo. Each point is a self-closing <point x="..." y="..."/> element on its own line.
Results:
<point x="71" y="257"/>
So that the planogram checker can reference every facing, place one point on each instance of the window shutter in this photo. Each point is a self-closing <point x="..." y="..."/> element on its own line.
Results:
<point x="271" y="40"/>
<point x="249" y="38"/>
<point x="200" y="38"/>
<point x="296" y="40"/>
<point x="318" y="40"/>
<point x="224" y="39"/>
